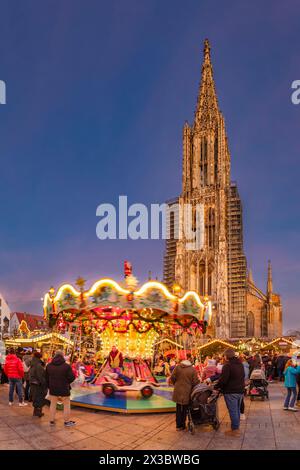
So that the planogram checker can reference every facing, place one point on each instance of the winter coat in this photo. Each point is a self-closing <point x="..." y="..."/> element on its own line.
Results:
<point x="37" y="373"/>
<point x="281" y="361"/>
<point x="232" y="378"/>
<point x="13" y="367"/>
<point x="59" y="376"/>
<point x="290" y="376"/>
<point x="27" y="358"/>
<point x="184" y="377"/>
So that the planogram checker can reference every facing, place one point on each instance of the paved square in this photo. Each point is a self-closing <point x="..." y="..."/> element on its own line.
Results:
<point x="267" y="426"/>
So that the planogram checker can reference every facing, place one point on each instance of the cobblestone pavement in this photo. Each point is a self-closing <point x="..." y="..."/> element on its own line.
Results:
<point x="267" y="426"/>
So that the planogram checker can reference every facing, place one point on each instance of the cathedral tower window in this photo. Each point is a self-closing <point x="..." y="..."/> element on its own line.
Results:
<point x="210" y="228"/>
<point x="202" y="278"/>
<point x="216" y="153"/>
<point x="250" y="325"/>
<point x="203" y="162"/>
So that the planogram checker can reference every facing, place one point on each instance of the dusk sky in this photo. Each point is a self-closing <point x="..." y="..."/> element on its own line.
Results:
<point x="97" y="95"/>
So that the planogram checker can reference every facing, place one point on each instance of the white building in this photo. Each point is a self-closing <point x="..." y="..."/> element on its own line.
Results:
<point x="4" y="318"/>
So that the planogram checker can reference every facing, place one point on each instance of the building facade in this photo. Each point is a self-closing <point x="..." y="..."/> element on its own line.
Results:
<point x="4" y="318"/>
<point x="218" y="269"/>
<point x="33" y="322"/>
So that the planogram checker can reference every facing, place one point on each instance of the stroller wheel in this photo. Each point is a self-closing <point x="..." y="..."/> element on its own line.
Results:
<point x="191" y="427"/>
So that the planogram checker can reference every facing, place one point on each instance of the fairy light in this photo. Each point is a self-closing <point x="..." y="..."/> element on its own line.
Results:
<point x="106" y="282"/>
<point x="66" y="288"/>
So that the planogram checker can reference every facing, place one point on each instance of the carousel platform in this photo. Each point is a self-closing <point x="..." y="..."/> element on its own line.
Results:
<point x="124" y="402"/>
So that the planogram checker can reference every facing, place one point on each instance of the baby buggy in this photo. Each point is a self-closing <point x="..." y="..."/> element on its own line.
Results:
<point x="258" y="387"/>
<point x="203" y="407"/>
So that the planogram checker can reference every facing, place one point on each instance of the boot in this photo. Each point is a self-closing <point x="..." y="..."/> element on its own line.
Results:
<point x="40" y="412"/>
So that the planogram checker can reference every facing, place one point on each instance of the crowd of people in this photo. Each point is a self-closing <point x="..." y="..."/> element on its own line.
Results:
<point x="41" y="382"/>
<point x="46" y="381"/>
<point x="230" y="374"/>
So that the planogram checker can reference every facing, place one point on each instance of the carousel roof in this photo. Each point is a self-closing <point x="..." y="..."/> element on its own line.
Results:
<point x="108" y="294"/>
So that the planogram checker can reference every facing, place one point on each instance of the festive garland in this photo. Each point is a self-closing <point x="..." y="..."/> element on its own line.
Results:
<point x="158" y="323"/>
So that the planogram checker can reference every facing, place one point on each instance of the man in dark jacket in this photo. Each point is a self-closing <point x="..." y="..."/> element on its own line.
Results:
<point x="184" y="378"/>
<point x="232" y="385"/>
<point x="281" y="361"/>
<point x="59" y="376"/>
<point x="38" y="385"/>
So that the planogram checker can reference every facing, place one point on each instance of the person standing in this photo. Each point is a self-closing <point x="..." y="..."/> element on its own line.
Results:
<point x="210" y="370"/>
<point x="290" y="381"/>
<point x="59" y="376"/>
<point x="26" y="366"/>
<point x="115" y="359"/>
<point x="184" y="377"/>
<point x="280" y="367"/>
<point x="232" y="383"/>
<point x="13" y="369"/>
<point x="246" y="379"/>
<point x="38" y="385"/>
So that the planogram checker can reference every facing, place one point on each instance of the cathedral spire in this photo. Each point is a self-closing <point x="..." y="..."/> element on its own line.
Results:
<point x="207" y="103"/>
<point x="270" y="280"/>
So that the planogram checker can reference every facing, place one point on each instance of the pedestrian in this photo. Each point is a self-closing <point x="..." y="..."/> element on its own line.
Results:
<point x="290" y="375"/>
<point x="38" y="385"/>
<point x="246" y="372"/>
<point x="184" y="377"/>
<point x="232" y="384"/>
<point x="13" y="369"/>
<point x="209" y="370"/>
<point x="59" y="376"/>
<point x="281" y="362"/>
<point x="26" y="366"/>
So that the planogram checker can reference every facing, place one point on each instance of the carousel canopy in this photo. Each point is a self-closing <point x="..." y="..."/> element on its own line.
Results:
<point x="107" y="300"/>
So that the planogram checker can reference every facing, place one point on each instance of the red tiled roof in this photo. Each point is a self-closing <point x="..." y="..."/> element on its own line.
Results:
<point x="33" y="321"/>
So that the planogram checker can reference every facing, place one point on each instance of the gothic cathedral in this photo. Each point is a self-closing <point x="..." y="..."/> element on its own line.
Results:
<point x="218" y="269"/>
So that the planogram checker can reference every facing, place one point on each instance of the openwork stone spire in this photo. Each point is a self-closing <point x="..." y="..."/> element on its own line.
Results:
<point x="207" y="110"/>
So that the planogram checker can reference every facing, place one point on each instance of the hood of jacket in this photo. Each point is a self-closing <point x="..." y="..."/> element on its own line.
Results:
<point x="58" y="360"/>
<point x="185" y="363"/>
<point x="35" y="361"/>
<point x="11" y="358"/>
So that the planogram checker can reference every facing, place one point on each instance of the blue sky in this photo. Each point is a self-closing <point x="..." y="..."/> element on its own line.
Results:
<point x="97" y="94"/>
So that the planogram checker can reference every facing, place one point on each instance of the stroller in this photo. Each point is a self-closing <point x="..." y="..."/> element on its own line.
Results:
<point x="258" y="386"/>
<point x="203" y="407"/>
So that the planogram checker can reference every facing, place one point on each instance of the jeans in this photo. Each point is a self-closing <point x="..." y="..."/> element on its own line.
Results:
<point x="19" y="387"/>
<point x="288" y="401"/>
<point x="27" y="390"/>
<point x="233" y="403"/>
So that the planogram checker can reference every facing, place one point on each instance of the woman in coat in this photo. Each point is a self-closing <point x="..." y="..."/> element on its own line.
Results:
<point x="184" y="378"/>
<point x="38" y="385"/>
<point x="290" y="381"/>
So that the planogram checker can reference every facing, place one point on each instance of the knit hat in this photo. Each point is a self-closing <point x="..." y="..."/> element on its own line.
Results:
<point x="59" y="352"/>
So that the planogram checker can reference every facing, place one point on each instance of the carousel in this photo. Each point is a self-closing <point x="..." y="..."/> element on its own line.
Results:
<point x="130" y="320"/>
